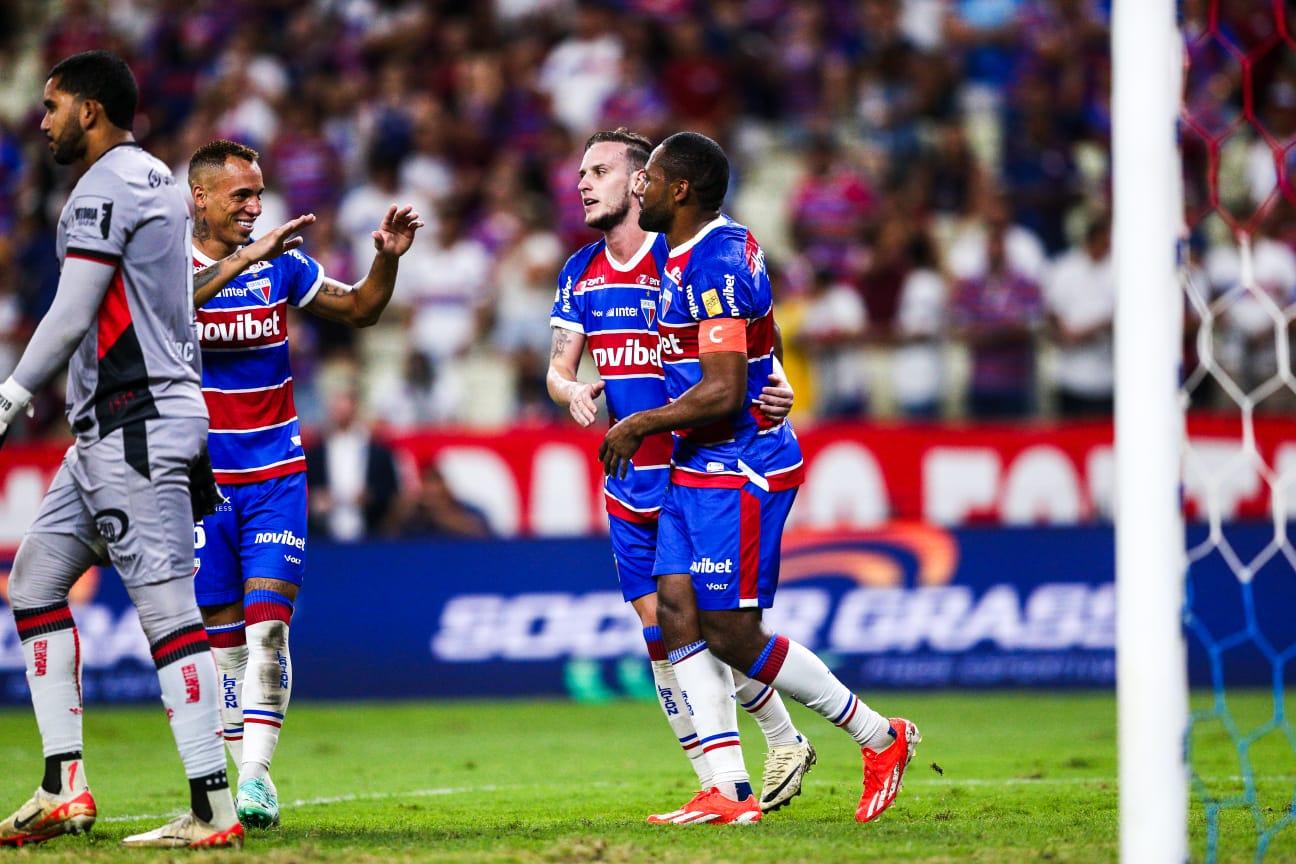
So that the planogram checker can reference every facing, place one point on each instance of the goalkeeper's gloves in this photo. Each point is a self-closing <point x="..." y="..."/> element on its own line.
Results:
<point x="15" y="399"/>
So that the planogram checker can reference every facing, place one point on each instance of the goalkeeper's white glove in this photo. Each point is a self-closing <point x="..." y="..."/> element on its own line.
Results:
<point x="15" y="399"/>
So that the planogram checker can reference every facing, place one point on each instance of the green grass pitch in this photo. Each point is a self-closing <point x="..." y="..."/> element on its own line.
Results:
<point x="1026" y="777"/>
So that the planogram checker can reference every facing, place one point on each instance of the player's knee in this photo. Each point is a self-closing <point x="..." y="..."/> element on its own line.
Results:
<point x="732" y="638"/>
<point x="41" y="573"/>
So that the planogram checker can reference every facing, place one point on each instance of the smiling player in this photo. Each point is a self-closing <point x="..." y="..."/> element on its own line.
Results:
<point x="252" y="551"/>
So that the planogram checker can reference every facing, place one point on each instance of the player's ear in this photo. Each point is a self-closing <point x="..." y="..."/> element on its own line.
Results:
<point x="680" y="190"/>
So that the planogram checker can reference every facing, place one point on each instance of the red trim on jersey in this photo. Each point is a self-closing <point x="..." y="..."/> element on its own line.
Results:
<point x="625" y="353"/>
<point x="712" y="433"/>
<point x="621" y="511"/>
<point x="785" y="480"/>
<point x="114" y="315"/>
<point x="655" y="450"/>
<point x="760" y="335"/>
<point x="678" y="341"/>
<point x="234" y="411"/>
<point x="238" y="478"/>
<point x="707" y="481"/>
<point x="749" y="543"/>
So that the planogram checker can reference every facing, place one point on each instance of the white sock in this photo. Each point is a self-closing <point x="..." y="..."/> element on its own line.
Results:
<point x="229" y="647"/>
<point x="187" y="673"/>
<point x="795" y="670"/>
<point x="766" y="707"/>
<point x="674" y="704"/>
<point x="267" y="685"/>
<point x="709" y="685"/>
<point x="52" y="651"/>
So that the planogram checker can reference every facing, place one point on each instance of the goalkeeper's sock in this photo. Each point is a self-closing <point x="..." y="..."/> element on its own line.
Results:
<point x="229" y="646"/>
<point x="709" y="685"/>
<point x="796" y="671"/>
<point x="52" y="653"/>
<point x="766" y="707"/>
<point x="267" y="685"/>
<point x="674" y="705"/>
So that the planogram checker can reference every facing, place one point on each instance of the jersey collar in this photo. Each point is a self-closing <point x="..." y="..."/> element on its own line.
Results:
<point x="696" y="238"/>
<point x="201" y="257"/>
<point x="616" y="265"/>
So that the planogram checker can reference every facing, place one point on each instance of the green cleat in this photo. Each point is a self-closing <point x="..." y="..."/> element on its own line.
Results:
<point x="257" y="803"/>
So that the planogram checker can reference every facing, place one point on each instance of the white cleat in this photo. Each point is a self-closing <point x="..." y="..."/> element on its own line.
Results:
<point x="46" y="816"/>
<point x="785" y="768"/>
<point x="187" y="831"/>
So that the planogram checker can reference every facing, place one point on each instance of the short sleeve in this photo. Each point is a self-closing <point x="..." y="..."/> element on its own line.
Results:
<point x="721" y="285"/>
<point x="566" y="312"/>
<point x="100" y="217"/>
<point x="305" y="276"/>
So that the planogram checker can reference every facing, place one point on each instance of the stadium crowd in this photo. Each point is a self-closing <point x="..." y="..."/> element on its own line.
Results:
<point x="930" y="178"/>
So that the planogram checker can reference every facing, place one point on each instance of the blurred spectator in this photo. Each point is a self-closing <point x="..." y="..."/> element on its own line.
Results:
<point x="996" y="314"/>
<point x="355" y="487"/>
<point x="968" y="255"/>
<point x="831" y="334"/>
<point x="302" y="161"/>
<point x="581" y="71"/>
<point x="917" y="366"/>
<point x="829" y="207"/>
<point x="436" y="512"/>
<point x="1080" y="299"/>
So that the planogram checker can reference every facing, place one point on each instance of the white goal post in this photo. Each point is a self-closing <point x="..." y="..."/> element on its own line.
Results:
<point x="1151" y="668"/>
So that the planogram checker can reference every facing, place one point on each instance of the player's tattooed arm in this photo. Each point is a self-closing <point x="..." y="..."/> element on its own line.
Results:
<point x="361" y="305"/>
<point x="209" y="281"/>
<point x="561" y="381"/>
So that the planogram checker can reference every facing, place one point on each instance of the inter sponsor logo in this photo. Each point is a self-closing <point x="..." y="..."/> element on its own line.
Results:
<point x="706" y="565"/>
<point x="284" y="538"/>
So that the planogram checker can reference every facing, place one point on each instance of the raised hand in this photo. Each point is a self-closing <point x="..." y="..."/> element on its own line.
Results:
<point x="274" y="243"/>
<point x="397" y="230"/>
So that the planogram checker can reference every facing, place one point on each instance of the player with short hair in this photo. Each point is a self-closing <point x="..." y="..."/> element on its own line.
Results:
<point x="607" y="297"/>
<point x="252" y="550"/>
<point x="122" y="320"/>
<point x="733" y="478"/>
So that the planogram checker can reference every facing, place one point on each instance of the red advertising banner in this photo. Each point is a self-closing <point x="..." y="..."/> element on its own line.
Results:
<point x="545" y="481"/>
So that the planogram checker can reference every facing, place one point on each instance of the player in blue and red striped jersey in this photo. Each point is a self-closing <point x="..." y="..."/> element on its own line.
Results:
<point x="251" y="553"/>
<point x="607" y="298"/>
<point x="733" y="478"/>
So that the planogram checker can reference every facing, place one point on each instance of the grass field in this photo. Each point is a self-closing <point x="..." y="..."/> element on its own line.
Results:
<point x="1026" y="777"/>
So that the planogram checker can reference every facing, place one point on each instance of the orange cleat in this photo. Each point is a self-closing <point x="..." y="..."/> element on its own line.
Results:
<point x="47" y="816"/>
<point x="712" y="808"/>
<point x="884" y="769"/>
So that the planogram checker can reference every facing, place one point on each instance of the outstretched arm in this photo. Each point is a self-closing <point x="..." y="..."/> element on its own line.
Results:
<point x="209" y="281"/>
<point x="361" y="304"/>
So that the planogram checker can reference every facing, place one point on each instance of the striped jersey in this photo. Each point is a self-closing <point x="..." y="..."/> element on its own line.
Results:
<point x="255" y="434"/>
<point x="138" y="361"/>
<point x="614" y="305"/>
<point x="720" y="273"/>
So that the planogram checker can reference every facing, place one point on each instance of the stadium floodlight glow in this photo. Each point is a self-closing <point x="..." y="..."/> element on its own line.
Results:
<point x="1151" y="663"/>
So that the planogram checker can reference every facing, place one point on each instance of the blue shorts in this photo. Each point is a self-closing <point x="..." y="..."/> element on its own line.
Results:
<point x="260" y="533"/>
<point x="727" y="539"/>
<point x="634" y="546"/>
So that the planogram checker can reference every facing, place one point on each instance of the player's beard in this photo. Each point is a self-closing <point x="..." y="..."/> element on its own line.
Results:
<point x="70" y="144"/>
<point x="654" y="219"/>
<point x="613" y="217"/>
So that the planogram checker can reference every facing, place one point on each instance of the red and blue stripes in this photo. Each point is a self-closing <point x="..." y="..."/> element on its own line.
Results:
<point x="656" y="647"/>
<point x="760" y="700"/>
<point x="178" y="644"/>
<point x="227" y="635"/>
<point x="267" y="718"/>
<point x="720" y="739"/>
<point x="847" y="713"/>
<point x="767" y="665"/>
<point x="265" y="605"/>
<point x="690" y="743"/>
<point x="42" y="620"/>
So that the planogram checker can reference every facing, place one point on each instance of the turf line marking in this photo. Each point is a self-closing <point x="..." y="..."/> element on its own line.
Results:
<point x="332" y="799"/>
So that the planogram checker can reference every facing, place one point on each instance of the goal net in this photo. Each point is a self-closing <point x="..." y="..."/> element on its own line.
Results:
<point x="1211" y="775"/>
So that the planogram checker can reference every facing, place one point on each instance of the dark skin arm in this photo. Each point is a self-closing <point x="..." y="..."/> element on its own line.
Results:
<point x="721" y="392"/>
